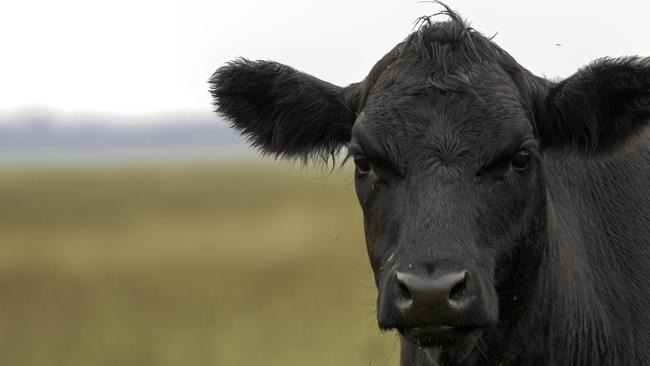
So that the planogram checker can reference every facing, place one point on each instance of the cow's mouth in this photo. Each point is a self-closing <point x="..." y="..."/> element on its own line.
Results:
<point x="437" y="335"/>
<point x="448" y="342"/>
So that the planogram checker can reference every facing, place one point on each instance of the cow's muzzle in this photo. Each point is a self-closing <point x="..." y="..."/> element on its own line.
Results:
<point x="435" y="305"/>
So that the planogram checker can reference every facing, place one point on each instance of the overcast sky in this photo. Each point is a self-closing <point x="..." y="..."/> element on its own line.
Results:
<point x="153" y="57"/>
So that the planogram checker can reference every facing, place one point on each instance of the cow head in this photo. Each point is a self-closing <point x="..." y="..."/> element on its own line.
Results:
<point x="447" y="133"/>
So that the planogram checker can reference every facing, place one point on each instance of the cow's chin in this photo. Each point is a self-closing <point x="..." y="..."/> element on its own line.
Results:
<point x="453" y="349"/>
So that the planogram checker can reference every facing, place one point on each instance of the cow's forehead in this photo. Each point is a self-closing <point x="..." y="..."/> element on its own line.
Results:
<point x="474" y="104"/>
<point x="473" y="121"/>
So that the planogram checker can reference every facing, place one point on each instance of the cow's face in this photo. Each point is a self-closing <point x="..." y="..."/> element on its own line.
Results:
<point x="449" y="181"/>
<point x="447" y="133"/>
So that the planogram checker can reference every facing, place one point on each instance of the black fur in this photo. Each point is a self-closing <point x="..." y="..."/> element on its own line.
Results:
<point x="599" y="106"/>
<point x="283" y="111"/>
<point x="559" y="247"/>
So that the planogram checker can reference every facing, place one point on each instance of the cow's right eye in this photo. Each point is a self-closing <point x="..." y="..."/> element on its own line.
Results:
<point x="362" y="164"/>
<point x="520" y="160"/>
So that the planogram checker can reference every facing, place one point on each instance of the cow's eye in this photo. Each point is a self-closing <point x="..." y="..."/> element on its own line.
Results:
<point x="362" y="164"/>
<point x="521" y="160"/>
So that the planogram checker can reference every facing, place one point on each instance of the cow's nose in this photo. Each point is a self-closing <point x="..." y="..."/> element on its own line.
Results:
<point x="427" y="300"/>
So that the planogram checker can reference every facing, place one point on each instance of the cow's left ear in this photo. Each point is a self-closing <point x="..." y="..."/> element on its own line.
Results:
<point x="597" y="108"/>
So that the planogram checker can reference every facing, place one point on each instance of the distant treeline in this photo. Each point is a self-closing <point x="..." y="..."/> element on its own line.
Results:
<point x="55" y="132"/>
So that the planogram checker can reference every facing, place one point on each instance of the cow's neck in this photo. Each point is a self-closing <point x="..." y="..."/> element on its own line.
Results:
<point x="568" y="318"/>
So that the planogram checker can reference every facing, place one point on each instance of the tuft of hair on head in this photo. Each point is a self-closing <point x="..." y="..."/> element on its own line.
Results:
<point x="450" y="42"/>
<point x="454" y="17"/>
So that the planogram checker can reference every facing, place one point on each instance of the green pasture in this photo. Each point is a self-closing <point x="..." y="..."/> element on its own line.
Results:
<point x="247" y="263"/>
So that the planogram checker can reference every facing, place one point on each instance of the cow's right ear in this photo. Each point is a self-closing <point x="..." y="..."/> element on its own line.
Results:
<point x="282" y="111"/>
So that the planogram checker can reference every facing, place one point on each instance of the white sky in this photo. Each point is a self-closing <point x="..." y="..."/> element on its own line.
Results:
<point x="154" y="57"/>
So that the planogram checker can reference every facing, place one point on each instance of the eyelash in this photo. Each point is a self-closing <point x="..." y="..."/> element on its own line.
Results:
<point x="362" y="165"/>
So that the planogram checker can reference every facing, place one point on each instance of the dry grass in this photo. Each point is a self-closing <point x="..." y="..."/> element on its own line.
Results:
<point x="209" y="264"/>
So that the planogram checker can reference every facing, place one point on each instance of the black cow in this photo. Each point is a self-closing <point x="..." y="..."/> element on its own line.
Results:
<point x="507" y="217"/>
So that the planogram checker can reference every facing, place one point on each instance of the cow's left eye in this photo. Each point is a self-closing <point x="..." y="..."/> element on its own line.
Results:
<point x="363" y="164"/>
<point x="521" y="160"/>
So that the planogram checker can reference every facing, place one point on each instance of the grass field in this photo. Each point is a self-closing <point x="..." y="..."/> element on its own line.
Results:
<point x="252" y="263"/>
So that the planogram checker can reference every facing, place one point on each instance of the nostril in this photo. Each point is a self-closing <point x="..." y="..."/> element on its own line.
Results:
<point x="404" y="292"/>
<point x="457" y="290"/>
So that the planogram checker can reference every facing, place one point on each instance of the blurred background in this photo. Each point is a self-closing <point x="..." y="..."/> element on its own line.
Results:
<point x="136" y="229"/>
